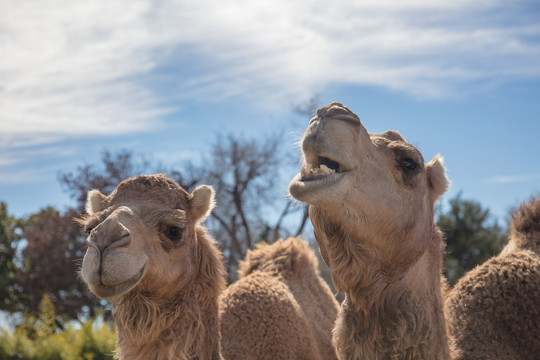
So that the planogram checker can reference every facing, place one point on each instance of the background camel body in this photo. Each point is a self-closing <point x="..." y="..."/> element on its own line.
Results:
<point x="149" y="255"/>
<point x="279" y="308"/>
<point x="371" y="204"/>
<point x="493" y="312"/>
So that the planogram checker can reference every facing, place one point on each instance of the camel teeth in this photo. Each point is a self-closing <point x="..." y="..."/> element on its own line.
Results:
<point x="308" y="170"/>
<point x="326" y="170"/>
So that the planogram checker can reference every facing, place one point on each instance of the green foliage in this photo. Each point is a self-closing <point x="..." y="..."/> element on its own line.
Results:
<point x="8" y="240"/>
<point x="39" y="339"/>
<point x="471" y="237"/>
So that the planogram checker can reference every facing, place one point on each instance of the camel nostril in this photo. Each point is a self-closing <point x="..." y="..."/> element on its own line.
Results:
<point x="111" y="242"/>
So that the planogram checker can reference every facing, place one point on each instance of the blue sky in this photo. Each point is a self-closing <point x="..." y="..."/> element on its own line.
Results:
<point x="459" y="78"/>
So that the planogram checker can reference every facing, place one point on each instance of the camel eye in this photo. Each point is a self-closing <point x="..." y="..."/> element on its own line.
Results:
<point x="409" y="164"/>
<point x="174" y="233"/>
<point x="88" y="230"/>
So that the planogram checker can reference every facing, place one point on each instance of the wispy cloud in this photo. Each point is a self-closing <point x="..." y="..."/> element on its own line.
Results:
<point x="512" y="179"/>
<point x="70" y="68"/>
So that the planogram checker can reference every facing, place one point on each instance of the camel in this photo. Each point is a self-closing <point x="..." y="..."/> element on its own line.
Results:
<point x="493" y="312"/>
<point x="284" y="308"/>
<point x="150" y="256"/>
<point x="371" y="202"/>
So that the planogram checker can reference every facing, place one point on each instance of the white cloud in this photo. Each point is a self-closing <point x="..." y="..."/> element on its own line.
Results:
<point x="512" y="179"/>
<point x="70" y="67"/>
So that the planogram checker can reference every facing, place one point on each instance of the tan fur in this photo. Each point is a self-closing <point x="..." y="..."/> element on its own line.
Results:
<point x="284" y="308"/>
<point x="525" y="227"/>
<point x="493" y="312"/>
<point x="171" y="310"/>
<point x="373" y="221"/>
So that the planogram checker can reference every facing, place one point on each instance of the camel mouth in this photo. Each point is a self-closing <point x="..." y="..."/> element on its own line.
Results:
<point x="325" y="167"/>
<point x="314" y="181"/>
<point x="109" y="292"/>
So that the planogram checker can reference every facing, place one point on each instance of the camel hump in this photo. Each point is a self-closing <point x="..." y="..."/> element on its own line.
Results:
<point x="525" y="226"/>
<point x="283" y="257"/>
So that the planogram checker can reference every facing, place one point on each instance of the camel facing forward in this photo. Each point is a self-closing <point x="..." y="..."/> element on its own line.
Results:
<point x="148" y="254"/>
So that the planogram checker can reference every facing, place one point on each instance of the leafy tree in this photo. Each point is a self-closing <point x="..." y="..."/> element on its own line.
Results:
<point x="8" y="240"/>
<point x="50" y="262"/>
<point x="471" y="237"/>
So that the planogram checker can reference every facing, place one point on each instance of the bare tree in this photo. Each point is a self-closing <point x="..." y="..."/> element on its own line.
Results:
<point x="115" y="168"/>
<point x="243" y="173"/>
<point x="306" y="109"/>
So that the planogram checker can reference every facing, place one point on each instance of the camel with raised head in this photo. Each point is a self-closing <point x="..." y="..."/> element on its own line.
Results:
<point x="371" y="200"/>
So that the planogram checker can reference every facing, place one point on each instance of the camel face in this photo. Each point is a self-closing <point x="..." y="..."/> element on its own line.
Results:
<point x="142" y="236"/>
<point x="372" y="185"/>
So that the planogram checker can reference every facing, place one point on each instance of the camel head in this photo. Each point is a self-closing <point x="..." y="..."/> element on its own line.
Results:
<point x="373" y="186"/>
<point x="143" y="236"/>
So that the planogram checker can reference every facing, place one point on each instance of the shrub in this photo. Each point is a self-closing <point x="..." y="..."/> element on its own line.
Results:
<point x="40" y="339"/>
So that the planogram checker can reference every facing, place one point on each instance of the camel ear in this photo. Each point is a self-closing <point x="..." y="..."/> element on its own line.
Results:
<point x="94" y="202"/>
<point x="436" y="176"/>
<point x="202" y="202"/>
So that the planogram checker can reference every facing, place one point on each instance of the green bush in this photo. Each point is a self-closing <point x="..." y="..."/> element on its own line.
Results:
<point x="40" y="339"/>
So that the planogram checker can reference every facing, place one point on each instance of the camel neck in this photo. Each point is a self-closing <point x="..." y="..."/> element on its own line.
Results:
<point x="181" y="329"/>
<point x="399" y="318"/>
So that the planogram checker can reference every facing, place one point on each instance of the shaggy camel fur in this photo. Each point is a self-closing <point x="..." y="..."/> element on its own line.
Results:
<point x="493" y="312"/>
<point x="283" y="307"/>
<point x="371" y="203"/>
<point x="149" y="256"/>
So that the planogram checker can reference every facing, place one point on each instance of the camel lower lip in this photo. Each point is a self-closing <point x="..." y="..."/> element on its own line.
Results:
<point x="306" y="178"/>
<point x="301" y="185"/>
<point x="324" y="179"/>
<point x="110" y="291"/>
